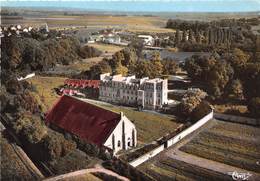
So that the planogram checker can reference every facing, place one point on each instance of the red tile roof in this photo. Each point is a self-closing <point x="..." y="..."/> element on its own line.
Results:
<point x="89" y="122"/>
<point x="82" y="83"/>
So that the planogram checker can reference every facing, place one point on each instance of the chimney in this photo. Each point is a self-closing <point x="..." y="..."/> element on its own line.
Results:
<point x="121" y="114"/>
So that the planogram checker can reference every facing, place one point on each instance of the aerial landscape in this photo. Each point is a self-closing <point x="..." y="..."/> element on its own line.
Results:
<point x="130" y="90"/>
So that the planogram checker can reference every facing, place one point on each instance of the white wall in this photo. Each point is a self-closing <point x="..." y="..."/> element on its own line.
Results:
<point x="172" y="141"/>
<point x="26" y="77"/>
<point x="146" y="156"/>
<point x="190" y="129"/>
<point x="118" y="132"/>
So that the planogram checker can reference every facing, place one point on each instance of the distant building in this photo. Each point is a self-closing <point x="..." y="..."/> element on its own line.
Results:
<point x="46" y="27"/>
<point x="145" y="92"/>
<point x="147" y="39"/>
<point x="19" y="27"/>
<point x="93" y="124"/>
<point x="87" y="88"/>
<point x="111" y="38"/>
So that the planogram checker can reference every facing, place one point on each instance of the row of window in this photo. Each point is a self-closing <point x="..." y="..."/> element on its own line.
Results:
<point x="128" y="143"/>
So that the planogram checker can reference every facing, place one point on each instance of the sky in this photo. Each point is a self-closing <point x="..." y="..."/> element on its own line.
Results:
<point x="143" y="5"/>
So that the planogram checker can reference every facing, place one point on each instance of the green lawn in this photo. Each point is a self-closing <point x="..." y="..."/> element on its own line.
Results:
<point x="45" y="93"/>
<point x="150" y="126"/>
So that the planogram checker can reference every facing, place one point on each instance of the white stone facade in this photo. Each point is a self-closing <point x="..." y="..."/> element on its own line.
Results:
<point x="145" y="92"/>
<point x="124" y="136"/>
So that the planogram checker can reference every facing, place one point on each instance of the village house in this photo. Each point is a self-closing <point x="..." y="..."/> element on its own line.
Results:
<point x="112" y="39"/>
<point x="93" y="124"/>
<point x="148" y="40"/>
<point x="145" y="93"/>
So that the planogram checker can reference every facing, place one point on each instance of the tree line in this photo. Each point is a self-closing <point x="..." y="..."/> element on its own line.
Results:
<point x="34" y="53"/>
<point x="233" y="75"/>
<point x="210" y="36"/>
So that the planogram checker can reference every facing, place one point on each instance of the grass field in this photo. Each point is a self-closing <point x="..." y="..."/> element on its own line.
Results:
<point x="45" y="92"/>
<point x="83" y="65"/>
<point x="106" y="47"/>
<point x="230" y="143"/>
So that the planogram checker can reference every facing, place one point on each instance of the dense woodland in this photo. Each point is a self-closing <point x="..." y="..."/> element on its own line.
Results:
<point x="39" y="51"/>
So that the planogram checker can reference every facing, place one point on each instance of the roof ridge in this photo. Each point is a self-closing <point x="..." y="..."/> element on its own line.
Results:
<point x="95" y="105"/>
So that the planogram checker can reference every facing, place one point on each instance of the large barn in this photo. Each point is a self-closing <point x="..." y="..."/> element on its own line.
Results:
<point x="93" y="124"/>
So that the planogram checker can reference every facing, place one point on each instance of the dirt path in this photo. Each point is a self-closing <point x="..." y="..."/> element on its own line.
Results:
<point x="97" y="168"/>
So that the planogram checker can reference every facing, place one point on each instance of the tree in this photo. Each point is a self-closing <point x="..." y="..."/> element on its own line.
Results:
<point x="88" y="52"/>
<point x="130" y="57"/>
<point x="236" y="89"/>
<point x="170" y="67"/>
<point x="120" y="69"/>
<point x="214" y="72"/>
<point x="254" y="107"/>
<point x="30" y="127"/>
<point x="177" y="37"/>
<point x="117" y="59"/>
<point x="156" y="64"/>
<point x="188" y="104"/>
<point x="218" y="77"/>
<point x="238" y="59"/>
<point x="100" y="68"/>
<point x="250" y="75"/>
<point x="191" y="36"/>
<point x="138" y="46"/>
<point x="143" y="69"/>
<point x="201" y="110"/>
